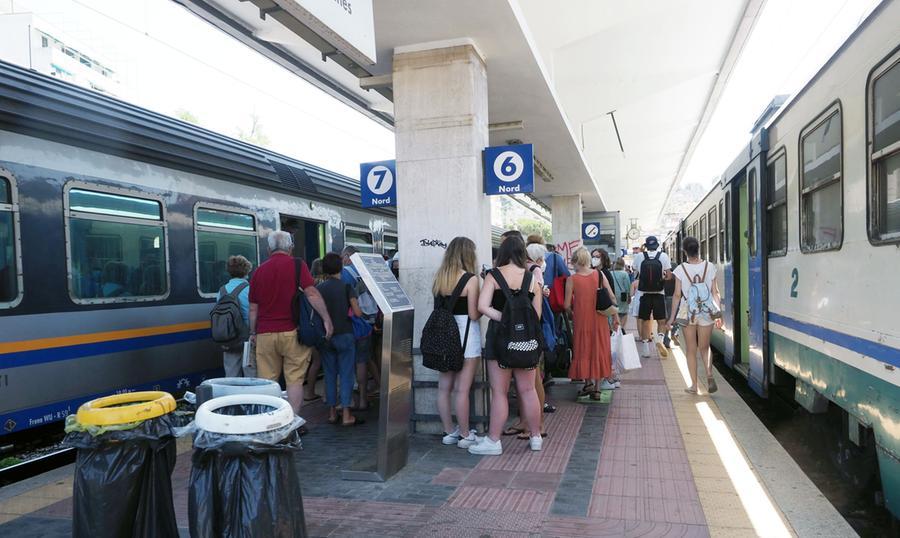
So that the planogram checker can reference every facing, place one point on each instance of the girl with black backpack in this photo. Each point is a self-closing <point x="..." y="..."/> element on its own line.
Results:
<point x="456" y="277"/>
<point x="512" y="300"/>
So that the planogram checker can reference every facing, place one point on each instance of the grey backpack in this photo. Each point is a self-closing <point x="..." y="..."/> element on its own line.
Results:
<point x="226" y="322"/>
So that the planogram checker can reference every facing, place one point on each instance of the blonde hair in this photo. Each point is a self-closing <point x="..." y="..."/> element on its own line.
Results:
<point x="534" y="239"/>
<point x="459" y="257"/>
<point x="581" y="257"/>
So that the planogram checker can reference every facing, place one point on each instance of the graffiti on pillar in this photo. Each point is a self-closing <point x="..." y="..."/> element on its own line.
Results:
<point x="566" y="248"/>
<point x="432" y="243"/>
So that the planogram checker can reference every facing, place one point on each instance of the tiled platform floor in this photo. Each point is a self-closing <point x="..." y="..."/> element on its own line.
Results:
<point x="644" y="465"/>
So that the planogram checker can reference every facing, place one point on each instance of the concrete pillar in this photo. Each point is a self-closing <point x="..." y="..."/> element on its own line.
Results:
<point x="441" y="128"/>
<point x="566" y="223"/>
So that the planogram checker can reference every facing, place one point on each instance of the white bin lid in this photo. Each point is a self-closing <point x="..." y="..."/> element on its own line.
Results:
<point x="280" y="416"/>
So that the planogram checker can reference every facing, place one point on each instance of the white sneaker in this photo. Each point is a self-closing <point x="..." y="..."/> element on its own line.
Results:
<point x="468" y="440"/>
<point x="645" y="349"/>
<point x="536" y="443"/>
<point x="660" y="347"/>
<point x="606" y="385"/>
<point x="485" y="446"/>
<point x="451" y="438"/>
<point x="617" y="383"/>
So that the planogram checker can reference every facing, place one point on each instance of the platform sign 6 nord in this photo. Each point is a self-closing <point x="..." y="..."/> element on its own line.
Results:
<point x="378" y="184"/>
<point x="509" y="169"/>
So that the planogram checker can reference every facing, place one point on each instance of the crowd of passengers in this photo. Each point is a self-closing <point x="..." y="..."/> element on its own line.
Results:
<point x="524" y="273"/>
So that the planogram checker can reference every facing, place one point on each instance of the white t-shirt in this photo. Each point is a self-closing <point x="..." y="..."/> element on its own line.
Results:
<point x="687" y="271"/>
<point x="663" y="259"/>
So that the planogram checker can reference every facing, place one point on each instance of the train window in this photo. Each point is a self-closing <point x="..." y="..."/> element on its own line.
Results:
<point x="821" y="211"/>
<point x="361" y="239"/>
<point x="221" y="233"/>
<point x="10" y="279"/>
<point x="117" y="247"/>
<point x="884" y="172"/>
<point x="776" y="219"/>
<point x="754" y="201"/>
<point x="721" y="231"/>
<point x="727" y="226"/>
<point x="713" y="235"/>
<point x="702" y="237"/>
<point x="390" y="244"/>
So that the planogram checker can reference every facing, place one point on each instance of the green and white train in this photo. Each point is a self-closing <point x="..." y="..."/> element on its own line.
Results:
<point x="805" y="229"/>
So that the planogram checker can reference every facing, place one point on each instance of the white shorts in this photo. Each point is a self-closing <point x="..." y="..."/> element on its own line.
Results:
<point x="473" y="344"/>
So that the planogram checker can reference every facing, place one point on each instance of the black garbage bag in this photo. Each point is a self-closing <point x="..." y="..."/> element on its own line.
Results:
<point x="246" y="485"/>
<point x="123" y="480"/>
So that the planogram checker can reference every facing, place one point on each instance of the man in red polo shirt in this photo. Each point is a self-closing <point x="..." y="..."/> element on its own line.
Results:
<point x="273" y="327"/>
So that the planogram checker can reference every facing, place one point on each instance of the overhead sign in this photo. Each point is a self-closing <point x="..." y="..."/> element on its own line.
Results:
<point x="590" y="231"/>
<point x="509" y="169"/>
<point x="348" y="25"/>
<point x="378" y="184"/>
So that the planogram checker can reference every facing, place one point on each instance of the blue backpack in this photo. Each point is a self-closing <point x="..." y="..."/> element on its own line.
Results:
<point x="310" y="326"/>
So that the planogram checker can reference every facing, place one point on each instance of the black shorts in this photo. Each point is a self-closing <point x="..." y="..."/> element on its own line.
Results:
<point x="652" y="304"/>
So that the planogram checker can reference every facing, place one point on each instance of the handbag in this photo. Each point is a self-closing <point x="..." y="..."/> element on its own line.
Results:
<point x="604" y="302"/>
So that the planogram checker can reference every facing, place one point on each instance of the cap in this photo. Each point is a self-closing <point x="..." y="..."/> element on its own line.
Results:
<point x="651" y="242"/>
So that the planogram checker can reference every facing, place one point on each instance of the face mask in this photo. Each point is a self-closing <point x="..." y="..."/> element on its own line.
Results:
<point x="595" y="262"/>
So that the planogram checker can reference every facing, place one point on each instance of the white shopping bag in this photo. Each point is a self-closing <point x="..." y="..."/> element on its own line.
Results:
<point x="635" y="305"/>
<point x="629" y="353"/>
<point x="248" y="359"/>
<point x="615" y="344"/>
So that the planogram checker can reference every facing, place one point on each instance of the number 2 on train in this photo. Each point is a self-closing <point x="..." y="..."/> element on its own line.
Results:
<point x="795" y="275"/>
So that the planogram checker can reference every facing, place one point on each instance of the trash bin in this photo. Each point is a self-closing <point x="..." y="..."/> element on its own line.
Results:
<point x="123" y="471"/>
<point x="243" y="481"/>
<point x="226" y="386"/>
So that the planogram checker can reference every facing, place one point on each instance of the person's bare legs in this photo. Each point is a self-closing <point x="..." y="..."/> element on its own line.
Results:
<point x="499" y="379"/>
<point x="528" y="396"/>
<point x="461" y="386"/>
<point x="445" y="385"/>
<point x="312" y="375"/>
<point x="542" y="397"/>
<point x="362" y="379"/>
<point x="295" y="396"/>
<point x="690" y="341"/>
<point x="704" y="334"/>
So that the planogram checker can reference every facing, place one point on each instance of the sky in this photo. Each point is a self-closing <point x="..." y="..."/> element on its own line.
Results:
<point x="169" y="60"/>
<point x="791" y="41"/>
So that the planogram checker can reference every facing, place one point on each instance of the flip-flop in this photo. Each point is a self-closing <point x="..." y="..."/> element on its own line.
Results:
<point x="711" y="385"/>
<point x="691" y="391"/>
<point x="334" y="420"/>
<point x="314" y="398"/>
<point x="356" y="422"/>
<point x="513" y="431"/>
<point x="524" y="436"/>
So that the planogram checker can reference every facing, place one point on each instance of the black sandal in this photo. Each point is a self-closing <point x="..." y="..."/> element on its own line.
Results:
<point x="548" y="408"/>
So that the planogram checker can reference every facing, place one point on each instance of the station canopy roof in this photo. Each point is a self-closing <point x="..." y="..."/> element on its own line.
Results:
<point x="555" y="72"/>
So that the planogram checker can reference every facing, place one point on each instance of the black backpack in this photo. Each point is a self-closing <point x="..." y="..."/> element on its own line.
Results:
<point x="226" y="322"/>
<point x="651" y="277"/>
<point x="310" y="325"/>
<point x="520" y="337"/>
<point x="440" y="345"/>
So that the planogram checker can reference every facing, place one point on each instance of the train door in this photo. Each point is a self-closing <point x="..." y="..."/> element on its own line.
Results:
<point x="756" y="291"/>
<point x="742" y="293"/>
<point x="309" y="237"/>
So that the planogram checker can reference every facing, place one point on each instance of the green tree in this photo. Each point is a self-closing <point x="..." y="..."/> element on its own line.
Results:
<point x="255" y="134"/>
<point x="534" y="226"/>
<point x="186" y="115"/>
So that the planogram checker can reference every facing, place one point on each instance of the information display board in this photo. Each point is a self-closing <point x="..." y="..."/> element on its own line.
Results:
<point x="394" y="404"/>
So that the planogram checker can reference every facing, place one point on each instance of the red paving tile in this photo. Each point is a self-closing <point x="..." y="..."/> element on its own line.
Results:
<point x="451" y="476"/>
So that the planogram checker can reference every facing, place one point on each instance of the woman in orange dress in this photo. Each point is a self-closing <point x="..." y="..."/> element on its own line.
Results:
<point x="592" y="359"/>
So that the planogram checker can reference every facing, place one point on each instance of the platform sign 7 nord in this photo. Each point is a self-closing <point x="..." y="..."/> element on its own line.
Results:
<point x="509" y="169"/>
<point x="378" y="184"/>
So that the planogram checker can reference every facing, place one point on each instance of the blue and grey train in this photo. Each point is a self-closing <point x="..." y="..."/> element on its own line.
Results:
<point x="805" y="229"/>
<point x="115" y="226"/>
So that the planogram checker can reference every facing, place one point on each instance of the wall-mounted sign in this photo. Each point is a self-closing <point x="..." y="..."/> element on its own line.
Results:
<point x="378" y="184"/>
<point x="509" y="169"/>
<point x="590" y="231"/>
<point x="348" y="25"/>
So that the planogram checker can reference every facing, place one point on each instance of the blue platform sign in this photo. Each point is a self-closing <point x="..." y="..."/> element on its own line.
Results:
<point x="509" y="169"/>
<point x="378" y="184"/>
<point x="590" y="231"/>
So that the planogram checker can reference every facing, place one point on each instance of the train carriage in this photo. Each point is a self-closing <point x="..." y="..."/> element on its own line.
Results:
<point x="115" y="227"/>
<point x="806" y="241"/>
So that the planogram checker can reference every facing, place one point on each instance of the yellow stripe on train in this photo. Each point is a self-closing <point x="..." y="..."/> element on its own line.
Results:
<point x="92" y="338"/>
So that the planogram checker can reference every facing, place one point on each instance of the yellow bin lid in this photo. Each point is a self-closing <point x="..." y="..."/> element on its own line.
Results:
<point x="125" y="408"/>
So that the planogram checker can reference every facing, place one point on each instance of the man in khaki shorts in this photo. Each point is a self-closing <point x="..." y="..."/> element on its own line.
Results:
<point x="273" y="327"/>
